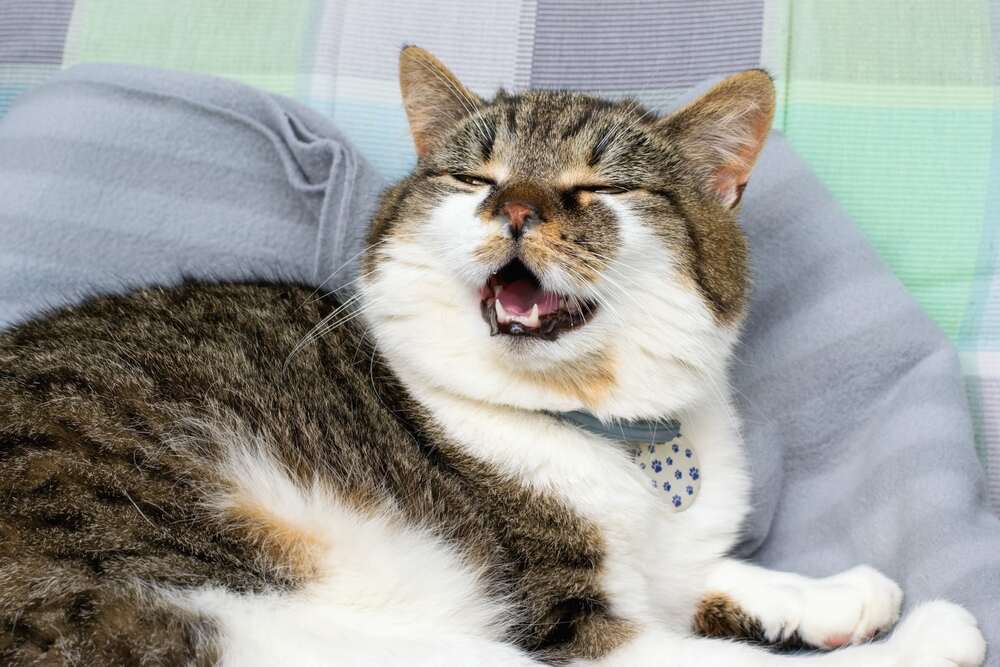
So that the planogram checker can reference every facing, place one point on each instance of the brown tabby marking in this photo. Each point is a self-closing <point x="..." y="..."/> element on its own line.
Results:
<point x="720" y="617"/>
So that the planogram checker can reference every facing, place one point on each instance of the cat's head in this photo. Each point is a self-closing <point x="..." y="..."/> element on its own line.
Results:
<point x="556" y="251"/>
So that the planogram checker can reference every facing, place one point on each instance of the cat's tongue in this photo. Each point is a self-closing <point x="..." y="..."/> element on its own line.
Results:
<point x="519" y="296"/>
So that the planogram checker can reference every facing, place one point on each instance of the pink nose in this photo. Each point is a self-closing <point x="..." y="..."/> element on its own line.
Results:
<point x="517" y="214"/>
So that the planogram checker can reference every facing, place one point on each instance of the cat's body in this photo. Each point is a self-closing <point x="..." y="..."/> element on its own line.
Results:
<point x="182" y="480"/>
<point x="220" y="469"/>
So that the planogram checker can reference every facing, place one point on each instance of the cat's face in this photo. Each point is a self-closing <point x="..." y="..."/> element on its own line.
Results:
<point x="556" y="251"/>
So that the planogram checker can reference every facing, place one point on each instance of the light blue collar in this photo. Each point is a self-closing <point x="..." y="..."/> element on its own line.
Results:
<point x="667" y="461"/>
<point x="630" y="432"/>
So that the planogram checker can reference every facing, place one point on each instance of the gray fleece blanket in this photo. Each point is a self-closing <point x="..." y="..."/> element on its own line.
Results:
<point x="857" y="426"/>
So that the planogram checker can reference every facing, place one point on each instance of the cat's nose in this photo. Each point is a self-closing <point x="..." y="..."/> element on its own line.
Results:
<point x="520" y="217"/>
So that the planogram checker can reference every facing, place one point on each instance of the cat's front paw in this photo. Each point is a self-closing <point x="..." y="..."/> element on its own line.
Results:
<point x="849" y="608"/>
<point x="937" y="634"/>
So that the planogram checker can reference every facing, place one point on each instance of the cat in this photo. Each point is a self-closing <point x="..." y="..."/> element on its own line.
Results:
<point x="426" y="472"/>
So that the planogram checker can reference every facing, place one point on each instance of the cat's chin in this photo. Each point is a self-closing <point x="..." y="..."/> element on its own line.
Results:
<point x="514" y="303"/>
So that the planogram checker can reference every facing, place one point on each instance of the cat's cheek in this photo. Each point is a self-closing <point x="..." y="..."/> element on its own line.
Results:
<point x="455" y="234"/>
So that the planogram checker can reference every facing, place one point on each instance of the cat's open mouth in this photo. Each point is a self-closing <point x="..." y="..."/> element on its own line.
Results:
<point x="514" y="304"/>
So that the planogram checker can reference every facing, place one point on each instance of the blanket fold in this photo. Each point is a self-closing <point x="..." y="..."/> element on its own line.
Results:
<point x="113" y="176"/>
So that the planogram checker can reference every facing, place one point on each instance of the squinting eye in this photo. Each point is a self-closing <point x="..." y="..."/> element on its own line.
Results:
<point x="604" y="189"/>
<point x="472" y="180"/>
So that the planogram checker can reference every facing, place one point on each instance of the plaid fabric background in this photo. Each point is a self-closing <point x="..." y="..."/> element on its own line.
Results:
<point x="896" y="103"/>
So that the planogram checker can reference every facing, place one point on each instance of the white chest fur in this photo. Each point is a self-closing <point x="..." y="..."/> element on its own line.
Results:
<point x="656" y="558"/>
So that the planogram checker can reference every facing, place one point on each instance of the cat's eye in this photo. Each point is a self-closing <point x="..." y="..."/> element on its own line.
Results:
<point x="601" y="189"/>
<point x="469" y="179"/>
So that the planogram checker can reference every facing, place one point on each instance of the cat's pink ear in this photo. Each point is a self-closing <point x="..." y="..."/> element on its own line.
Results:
<point x="722" y="132"/>
<point x="433" y="97"/>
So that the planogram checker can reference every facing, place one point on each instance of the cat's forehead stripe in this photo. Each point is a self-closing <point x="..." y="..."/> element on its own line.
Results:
<point x="571" y="126"/>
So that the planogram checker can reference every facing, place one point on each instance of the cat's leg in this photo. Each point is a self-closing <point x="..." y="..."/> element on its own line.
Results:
<point x="743" y="600"/>
<point x="936" y="634"/>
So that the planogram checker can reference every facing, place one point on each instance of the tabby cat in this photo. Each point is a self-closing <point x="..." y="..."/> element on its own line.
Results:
<point x="422" y="473"/>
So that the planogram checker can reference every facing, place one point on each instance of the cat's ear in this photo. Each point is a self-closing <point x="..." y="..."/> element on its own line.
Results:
<point x="721" y="133"/>
<point x="433" y="97"/>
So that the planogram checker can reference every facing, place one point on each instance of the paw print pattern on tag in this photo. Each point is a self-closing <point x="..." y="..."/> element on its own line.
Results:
<point x="673" y="468"/>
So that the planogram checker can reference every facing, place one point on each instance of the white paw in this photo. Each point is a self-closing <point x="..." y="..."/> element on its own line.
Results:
<point x="847" y="608"/>
<point x="937" y="634"/>
<point x="850" y="608"/>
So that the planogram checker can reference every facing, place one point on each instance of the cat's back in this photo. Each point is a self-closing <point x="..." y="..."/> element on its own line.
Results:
<point x="185" y="338"/>
<point x="158" y="364"/>
<point x="122" y="423"/>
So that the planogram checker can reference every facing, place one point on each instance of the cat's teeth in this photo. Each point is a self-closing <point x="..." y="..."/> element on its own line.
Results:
<point x="533" y="317"/>
<point x="532" y="320"/>
<point x="502" y="316"/>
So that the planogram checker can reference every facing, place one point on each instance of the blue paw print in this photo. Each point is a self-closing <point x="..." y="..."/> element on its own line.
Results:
<point x="693" y="473"/>
<point x="675" y="448"/>
<point x="676" y="500"/>
<point x="677" y="474"/>
<point x="656" y="465"/>
<point x="670" y="461"/>
<point x="690" y="490"/>
<point x="687" y="453"/>
<point x="666" y="487"/>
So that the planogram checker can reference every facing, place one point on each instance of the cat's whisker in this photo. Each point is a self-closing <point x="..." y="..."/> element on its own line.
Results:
<point x="692" y="362"/>
<point x="314" y="333"/>
<point x="601" y="299"/>
<point x="368" y="248"/>
<point x="595" y="288"/>
<point x="346" y="286"/>
<point x="343" y="320"/>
